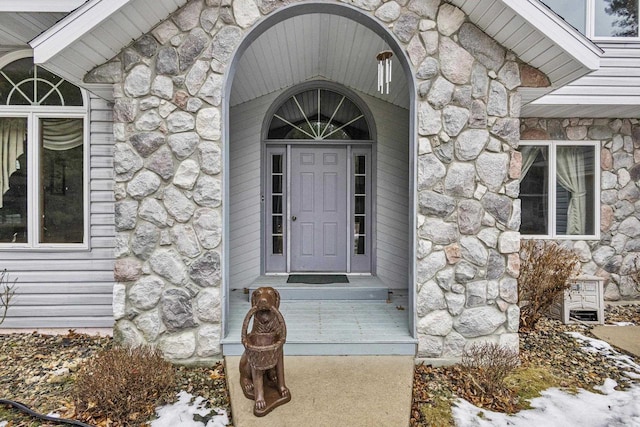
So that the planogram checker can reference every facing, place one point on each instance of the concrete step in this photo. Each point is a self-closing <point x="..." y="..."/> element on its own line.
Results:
<point x="391" y="348"/>
<point x="361" y="288"/>
<point x="347" y="291"/>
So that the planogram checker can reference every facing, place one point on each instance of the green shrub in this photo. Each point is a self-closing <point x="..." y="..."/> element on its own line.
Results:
<point x="545" y="270"/>
<point x="124" y="385"/>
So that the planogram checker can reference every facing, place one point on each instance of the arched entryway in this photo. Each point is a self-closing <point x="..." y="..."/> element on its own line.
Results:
<point x="306" y="126"/>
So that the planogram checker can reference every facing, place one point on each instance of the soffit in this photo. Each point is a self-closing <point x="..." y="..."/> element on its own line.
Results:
<point x="17" y="29"/>
<point x="98" y="30"/>
<point x="611" y="91"/>
<point x="538" y="37"/>
<point x="312" y="47"/>
<point x="95" y="33"/>
<point x="21" y="21"/>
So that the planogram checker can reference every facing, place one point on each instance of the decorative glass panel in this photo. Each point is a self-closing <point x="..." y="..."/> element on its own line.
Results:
<point x="278" y="247"/>
<point x="616" y="18"/>
<point x="360" y="245"/>
<point x="23" y="83"/>
<point x="277" y="217"/>
<point x="277" y="225"/>
<point x="360" y="201"/>
<point x="277" y="183"/>
<point x="13" y="180"/>
<point x="62" y="181"/>
<point x="277" y="204"/>
<point x="319" y="114"/>
<point x="276" y="164"/>
<point x="360" y="185"/>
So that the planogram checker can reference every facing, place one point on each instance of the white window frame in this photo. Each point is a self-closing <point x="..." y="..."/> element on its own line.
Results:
<point x="33" y="114"/>
<point x="551" y="190"/>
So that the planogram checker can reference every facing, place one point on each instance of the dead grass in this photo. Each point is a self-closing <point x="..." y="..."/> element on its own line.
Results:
<point x="529" y="382"/>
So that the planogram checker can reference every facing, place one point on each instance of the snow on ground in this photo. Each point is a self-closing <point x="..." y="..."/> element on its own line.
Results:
<point x="4" y="423"/>
<point x="182" y="412"/>
<point x="557" y="408"/>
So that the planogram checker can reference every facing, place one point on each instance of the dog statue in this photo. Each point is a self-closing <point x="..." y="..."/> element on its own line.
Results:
<point x="268" y="331"/>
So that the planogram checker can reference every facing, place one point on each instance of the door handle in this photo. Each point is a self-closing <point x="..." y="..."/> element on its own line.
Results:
<point x="293" y="218"/>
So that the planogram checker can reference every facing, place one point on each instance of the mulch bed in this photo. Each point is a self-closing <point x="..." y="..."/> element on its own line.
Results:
<point x="39" y="370"/>
<point x="547" y="347"/>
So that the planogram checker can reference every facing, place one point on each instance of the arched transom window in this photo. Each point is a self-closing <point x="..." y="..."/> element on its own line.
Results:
<point x="42" y="158"/>
<point x="319" y="114"/>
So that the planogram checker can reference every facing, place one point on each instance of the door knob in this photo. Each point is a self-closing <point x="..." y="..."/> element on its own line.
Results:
<point x="293" y="218"/>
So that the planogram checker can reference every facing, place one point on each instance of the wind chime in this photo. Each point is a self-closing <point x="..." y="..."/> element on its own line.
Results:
<point x="384" y="71"/>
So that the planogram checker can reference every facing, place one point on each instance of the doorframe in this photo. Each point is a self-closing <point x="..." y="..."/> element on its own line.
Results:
<point x="351" y="148"/>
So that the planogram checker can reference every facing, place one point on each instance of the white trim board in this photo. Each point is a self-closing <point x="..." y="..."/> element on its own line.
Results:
<point x="40" y="5"/>
<point x="73" y="27"/>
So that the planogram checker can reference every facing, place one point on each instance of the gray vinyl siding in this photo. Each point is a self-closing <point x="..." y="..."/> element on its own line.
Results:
<point x="245" y="127"/>
<point x="392" y="191"/>
<point x="611" y="91"/>
<point x="72" y="288"/>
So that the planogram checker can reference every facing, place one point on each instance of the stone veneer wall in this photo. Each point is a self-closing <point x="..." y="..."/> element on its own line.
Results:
<point x="614" y="255"/>
<point x="168" y="129"/>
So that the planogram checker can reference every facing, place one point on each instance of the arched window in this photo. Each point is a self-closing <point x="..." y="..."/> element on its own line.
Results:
<point x="42" y="158"/>
<point x="319" y="114"/>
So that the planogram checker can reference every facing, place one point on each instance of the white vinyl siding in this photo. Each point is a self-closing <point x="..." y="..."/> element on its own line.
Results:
<point x="72" y="288"/>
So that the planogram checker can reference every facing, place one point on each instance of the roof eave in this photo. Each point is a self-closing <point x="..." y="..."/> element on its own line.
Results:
<point x="40" y="5"/>
<point x="73" y="27"/>
<point x="559" y="31"/>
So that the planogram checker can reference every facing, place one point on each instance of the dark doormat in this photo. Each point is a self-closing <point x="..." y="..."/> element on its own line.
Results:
<point x="317" y="279"/>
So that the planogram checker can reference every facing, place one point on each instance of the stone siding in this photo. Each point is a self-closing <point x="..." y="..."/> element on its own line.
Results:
<point x="168" y="129"/>
<point x="614" y="255"/>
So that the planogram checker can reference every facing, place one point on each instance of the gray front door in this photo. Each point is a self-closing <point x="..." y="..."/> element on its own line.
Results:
<point x="319" y="209"/>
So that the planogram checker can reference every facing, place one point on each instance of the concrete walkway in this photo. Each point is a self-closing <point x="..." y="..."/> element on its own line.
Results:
<point x="626" y="338"/>
<point x="333" y="391"/>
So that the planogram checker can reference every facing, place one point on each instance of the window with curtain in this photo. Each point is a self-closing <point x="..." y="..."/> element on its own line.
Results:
<point x="42" y="158"/>
<point x="559" y="189"/>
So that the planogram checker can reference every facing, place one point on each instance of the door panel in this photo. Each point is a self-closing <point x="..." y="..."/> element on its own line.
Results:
<point x="319" y="209"/>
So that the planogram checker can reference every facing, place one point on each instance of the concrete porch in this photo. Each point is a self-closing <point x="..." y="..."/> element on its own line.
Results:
<point x="358" y="318"/>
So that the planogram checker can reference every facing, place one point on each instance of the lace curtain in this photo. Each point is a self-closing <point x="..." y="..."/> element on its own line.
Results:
<point x="13" y="133"/>
<point x="570" y="173"/>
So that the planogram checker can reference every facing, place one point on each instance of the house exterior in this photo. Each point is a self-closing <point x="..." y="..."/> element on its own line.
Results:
<point x="198" y="148"/>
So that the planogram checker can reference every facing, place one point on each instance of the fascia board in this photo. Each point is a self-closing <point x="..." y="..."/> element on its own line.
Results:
<point x="73" y="27"/>
<point x="40" y="5"/>
<point x="559" y="32"/>
<point x="553" y="100"/>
